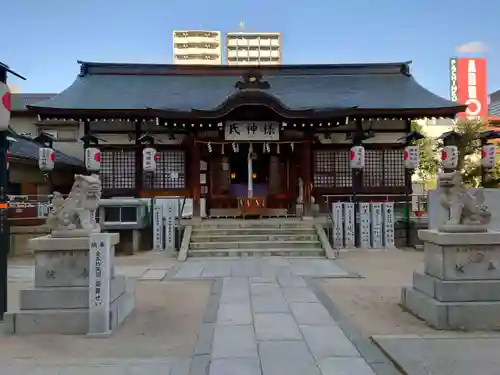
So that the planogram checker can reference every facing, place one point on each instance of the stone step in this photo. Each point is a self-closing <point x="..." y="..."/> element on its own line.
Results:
<point x="65" y="297"/>
<point x="252" y="224"/>
<point x="253" y="231"/>
<point x="295" y="252"/>
<point x="64" y="321"/>
<point x="256" y="245"/>
<point x="205" y="237"/>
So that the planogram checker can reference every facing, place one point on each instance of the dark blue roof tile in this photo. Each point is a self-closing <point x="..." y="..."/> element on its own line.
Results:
<point x="183" y="88"/>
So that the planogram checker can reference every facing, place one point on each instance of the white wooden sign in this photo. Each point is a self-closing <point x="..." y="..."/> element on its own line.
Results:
<point x="338" y="233"/>
<point x="99" y="283"/>
<point x="364" y="225"/>
<point x="252" y="131"/>
<point x="158" y="227"/>
<point x="377" y="225"/>
<point x="170" y="211"/>
<point x="349" y="220"/>
<point x="389" y="230"/>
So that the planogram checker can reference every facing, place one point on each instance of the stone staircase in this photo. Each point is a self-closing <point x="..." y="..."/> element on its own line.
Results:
<point x="261" y="237"/>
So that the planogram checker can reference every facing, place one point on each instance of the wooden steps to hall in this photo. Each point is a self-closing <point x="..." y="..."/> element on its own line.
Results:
<point x="260" y="237"/>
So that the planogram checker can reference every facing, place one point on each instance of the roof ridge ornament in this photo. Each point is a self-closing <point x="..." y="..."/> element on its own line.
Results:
<point x="252" y="80"/>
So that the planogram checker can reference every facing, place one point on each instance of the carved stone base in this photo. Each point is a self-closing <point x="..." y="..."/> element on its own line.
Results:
<point x="59" y="301"/>
<point x="461" y="282"/>
<point x="463" y="228"/>
<point x="74" y="233"/>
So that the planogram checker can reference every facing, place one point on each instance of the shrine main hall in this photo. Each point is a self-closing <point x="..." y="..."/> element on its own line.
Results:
<point x="223" y="134"/>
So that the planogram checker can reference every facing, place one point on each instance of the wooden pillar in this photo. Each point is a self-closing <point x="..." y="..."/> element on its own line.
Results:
<point x="306" y="176"/>
<point x="357" y="174"/>
<point x="194" y="167"/>
<point x="138" y="158"/>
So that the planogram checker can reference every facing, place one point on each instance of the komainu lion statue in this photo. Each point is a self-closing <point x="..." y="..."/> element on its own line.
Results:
<point x="466" y="209"/>
<point x="75" y="215"/>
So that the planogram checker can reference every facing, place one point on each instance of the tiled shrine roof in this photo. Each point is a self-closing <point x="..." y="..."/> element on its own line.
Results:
<point x="319" y="90"/>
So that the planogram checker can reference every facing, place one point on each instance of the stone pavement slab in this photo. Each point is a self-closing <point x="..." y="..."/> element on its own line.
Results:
<point x="234" y="342"/>
<point x="311" y="314"/>
<point x="452" y="355"/>
<point x="113" y="366"/>
<point x="287" y="358"/>
<point x="234" y="314"/>
<point x="345" y="366"/>
<point x="276" y="327"/>
<point x="235" y="366"/>
<point x="259" y="267"/>
<point x="328" y="341"/>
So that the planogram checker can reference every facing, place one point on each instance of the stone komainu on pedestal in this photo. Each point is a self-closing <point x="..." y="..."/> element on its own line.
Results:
<point x="460" y="286"/>
<point x="59" y="302"/>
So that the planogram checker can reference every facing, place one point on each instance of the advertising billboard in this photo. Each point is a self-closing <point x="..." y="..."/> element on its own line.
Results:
<point x="468" y="86"/>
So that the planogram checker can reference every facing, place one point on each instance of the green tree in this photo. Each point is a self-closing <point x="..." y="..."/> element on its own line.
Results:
<point x="469" y="151"/>
<point x="429" y="163"/>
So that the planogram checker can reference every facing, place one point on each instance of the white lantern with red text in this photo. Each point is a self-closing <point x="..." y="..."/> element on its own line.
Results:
<point x="5" y="104"/>
<point x="489" y="156"/>
<point x="449" y="157"/>
<point x="411" y="157"/>
<point x="149" y="159"/>
<point x="46" y="159"/>
<point x="92" y="159"/>
<point x="357" y="157"/>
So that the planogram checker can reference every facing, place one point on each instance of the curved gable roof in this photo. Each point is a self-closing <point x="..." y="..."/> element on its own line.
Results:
<point x="171" y="89"/>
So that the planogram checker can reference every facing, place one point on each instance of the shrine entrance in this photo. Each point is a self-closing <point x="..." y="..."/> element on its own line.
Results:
<point x="251" y="179"/>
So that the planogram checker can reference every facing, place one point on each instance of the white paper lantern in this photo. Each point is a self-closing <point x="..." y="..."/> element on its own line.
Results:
<point x="411" y="157"/>
<point x="46" y="159"/>
<point x="149" y="159"/>
<point x="449" y="157"/>
<point x="92" y="159"/>
<point x="357" y="157"/>
<point x="489" y="156"/>
<point x="5" y="106"/>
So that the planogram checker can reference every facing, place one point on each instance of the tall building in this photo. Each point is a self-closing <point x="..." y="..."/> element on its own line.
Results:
<point x="244" y="48"/>
<point x="494" y="107"/>
<point x="197" y="47"/>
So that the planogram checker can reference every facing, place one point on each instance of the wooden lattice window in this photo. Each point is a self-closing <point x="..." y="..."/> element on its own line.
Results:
<point x="331" y="169"/>
<point x="394" y="168"/>
<point x="117" y="169"/>
<point x="170" y="171"/>
<point x="384" y="168"/>
<point x="373" y="172"/>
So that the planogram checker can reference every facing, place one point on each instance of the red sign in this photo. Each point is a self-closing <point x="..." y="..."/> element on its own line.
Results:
<point x="468" y="86"/>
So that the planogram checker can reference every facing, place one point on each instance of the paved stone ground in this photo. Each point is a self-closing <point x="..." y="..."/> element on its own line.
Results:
<point x="215" y="268"/>
<point x="444" y="354"/>
<point x="265" y="316"/>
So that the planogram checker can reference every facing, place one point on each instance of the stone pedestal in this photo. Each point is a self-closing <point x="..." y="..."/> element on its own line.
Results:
<point x="59" y="301"/>
<point x="460" y="286"/>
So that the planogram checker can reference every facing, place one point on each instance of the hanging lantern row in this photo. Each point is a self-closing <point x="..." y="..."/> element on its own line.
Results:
<point x="411" y="157"/>
<point x="149" y="158"/>
<point x="489" y="156"/>
<point x="449" y="157"/>
<point x="46" y="159"/>
<point x="357" y="157"/>
<point x="92" y="159"/>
